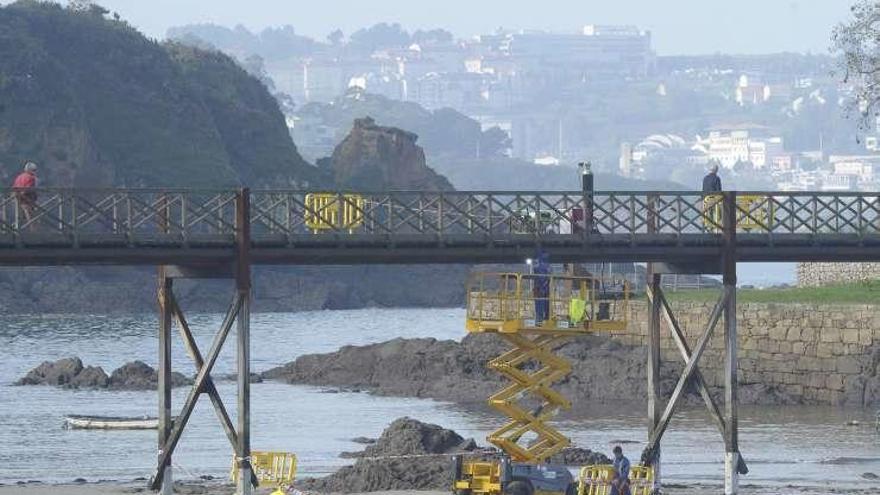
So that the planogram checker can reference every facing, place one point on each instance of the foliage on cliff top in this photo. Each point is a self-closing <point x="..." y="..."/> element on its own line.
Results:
<point x="854" y="293"/>
<point x="96" y="103"/>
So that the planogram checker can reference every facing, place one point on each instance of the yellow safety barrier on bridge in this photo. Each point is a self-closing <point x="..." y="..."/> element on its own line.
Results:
<point x="596" y="480"/>
<point x="753" y="212"/>
<point x="535" y="314"/>
<point x="276" y="469"/>
<point x="327" y="211"/>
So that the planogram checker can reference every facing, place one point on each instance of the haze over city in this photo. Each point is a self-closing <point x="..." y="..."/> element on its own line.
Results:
<point x="678" y="26"/>
<point x="440" y="247"/>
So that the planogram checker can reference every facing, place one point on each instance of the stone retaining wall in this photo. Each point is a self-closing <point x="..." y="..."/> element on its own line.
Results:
<point x="819" y="274"/>
<point x="810" y="353"/>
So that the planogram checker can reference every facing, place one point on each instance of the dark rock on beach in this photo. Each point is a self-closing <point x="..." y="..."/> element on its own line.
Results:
<point x="70" y="373"/>
<point x="410" y="455"/>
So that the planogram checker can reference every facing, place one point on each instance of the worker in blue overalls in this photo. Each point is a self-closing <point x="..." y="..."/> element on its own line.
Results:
<point x="541" y="288"/>
<point x="620" y="481"/>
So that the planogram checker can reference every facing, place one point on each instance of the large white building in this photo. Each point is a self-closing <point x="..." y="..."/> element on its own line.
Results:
<point x="730" y="148"/>
<point x="596" y="50"/>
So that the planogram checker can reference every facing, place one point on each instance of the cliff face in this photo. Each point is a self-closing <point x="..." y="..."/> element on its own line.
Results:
<point x="374" y="157"/>
<point x="95" y="103"/>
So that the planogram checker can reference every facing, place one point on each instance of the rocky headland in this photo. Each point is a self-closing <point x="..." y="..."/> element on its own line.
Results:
<point x="604" y="370"/>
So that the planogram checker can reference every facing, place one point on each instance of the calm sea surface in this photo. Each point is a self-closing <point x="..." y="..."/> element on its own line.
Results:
<point x="784" y="445"/>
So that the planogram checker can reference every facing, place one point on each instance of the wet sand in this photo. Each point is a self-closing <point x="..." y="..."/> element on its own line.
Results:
<point x="214" y="489"/>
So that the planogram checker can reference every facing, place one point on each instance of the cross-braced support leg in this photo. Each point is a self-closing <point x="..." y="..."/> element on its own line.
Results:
<point x="170" y="435"/>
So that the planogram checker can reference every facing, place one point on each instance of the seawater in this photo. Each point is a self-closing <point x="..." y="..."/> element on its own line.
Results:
<point x="804" y="446"/>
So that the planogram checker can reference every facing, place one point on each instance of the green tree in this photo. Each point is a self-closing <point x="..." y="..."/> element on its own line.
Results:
<point x="858" y="44"/>
<point x="335" y="38"/>
<point x="382" y="35"/>
<point x="494" y="143"/>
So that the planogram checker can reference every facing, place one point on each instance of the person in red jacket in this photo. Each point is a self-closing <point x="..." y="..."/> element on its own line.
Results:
<point x="24" y="187"/>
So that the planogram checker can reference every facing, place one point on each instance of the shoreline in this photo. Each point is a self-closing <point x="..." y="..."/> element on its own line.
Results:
<point x="216" y="488"/>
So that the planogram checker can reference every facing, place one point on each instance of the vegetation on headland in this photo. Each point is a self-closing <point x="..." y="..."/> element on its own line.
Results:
<point x="96" y="103"/>
<point x="867" y="292"/>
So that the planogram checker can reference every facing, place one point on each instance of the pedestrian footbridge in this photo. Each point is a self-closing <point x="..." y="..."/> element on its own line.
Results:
<point x="152" y="226"/>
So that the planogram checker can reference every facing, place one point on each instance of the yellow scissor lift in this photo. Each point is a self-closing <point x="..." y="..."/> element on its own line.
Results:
<point x="507" y="304"/>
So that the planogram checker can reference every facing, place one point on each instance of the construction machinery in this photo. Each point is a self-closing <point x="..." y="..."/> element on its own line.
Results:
<point x="535" y="314"/>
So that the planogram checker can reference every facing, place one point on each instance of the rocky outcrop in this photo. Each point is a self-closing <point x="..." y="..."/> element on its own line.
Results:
<point x="603" y="370"/>
<point x="411" y="455"/>
<point x="373" y="157"/>
<point x="138" y="375"/>
<point x="385" y="465"/>
<point x="575" y="456"/>
<point x="70" y="373"/>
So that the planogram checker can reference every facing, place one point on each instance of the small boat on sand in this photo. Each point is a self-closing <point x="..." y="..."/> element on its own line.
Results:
<point x="75" y="422"/>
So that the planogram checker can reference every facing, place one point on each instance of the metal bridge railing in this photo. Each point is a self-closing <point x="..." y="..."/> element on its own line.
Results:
<point x="188" y="215"/>
<point x="122" y="215"/>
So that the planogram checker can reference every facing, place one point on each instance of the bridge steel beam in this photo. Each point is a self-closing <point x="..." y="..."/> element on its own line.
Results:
<point x="654" y="300"/>
<point x="238" y="315"/>
<point x="654" y="292"/>
<point x="728" y="262"/>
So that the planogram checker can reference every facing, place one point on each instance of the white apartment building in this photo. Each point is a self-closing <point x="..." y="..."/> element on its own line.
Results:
<point x="729" y="148"/>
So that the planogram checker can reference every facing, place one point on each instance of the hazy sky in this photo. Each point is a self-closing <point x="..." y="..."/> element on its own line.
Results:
<point x="678" y="26"/>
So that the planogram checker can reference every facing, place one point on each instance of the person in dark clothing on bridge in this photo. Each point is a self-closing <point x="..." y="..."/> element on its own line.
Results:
<point x="711" y="182"/>
<point x="711" y="202"/>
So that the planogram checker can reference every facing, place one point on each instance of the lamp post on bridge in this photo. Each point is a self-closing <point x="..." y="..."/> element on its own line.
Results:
<point x="587" y="187"/>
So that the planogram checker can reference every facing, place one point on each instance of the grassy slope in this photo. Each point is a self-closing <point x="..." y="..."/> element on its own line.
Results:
<point x="856" y="293"/>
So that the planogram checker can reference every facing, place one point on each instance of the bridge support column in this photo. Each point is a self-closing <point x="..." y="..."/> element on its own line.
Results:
<point x="727" y="420"/>
<point x="238" y="314"/>
<point x="243" y="290"/>
<point x="731" y="381"/>
<point x="164" y="378"/>
<point x="654" y="408"/>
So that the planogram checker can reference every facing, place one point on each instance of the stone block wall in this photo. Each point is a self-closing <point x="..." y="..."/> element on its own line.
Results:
<point x="818" y="354"/>
<point x="819" y="274"/>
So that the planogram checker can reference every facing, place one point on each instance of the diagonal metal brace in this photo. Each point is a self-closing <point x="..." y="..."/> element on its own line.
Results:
<point x="699" y="381"/>
<point x="210" y="388"/>
<point x="689" y="368"/>
<point x="197" y="389"/>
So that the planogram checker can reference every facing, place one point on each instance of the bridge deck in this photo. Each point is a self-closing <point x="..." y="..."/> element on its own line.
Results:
<point x="291" y="227"/>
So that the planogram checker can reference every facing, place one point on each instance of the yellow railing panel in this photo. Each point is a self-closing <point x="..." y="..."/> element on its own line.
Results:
<point x="276" y="469"/>
<point x="596" y="480"/>
<point x="753" y="212"/>
<point x="324" y="211"/>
